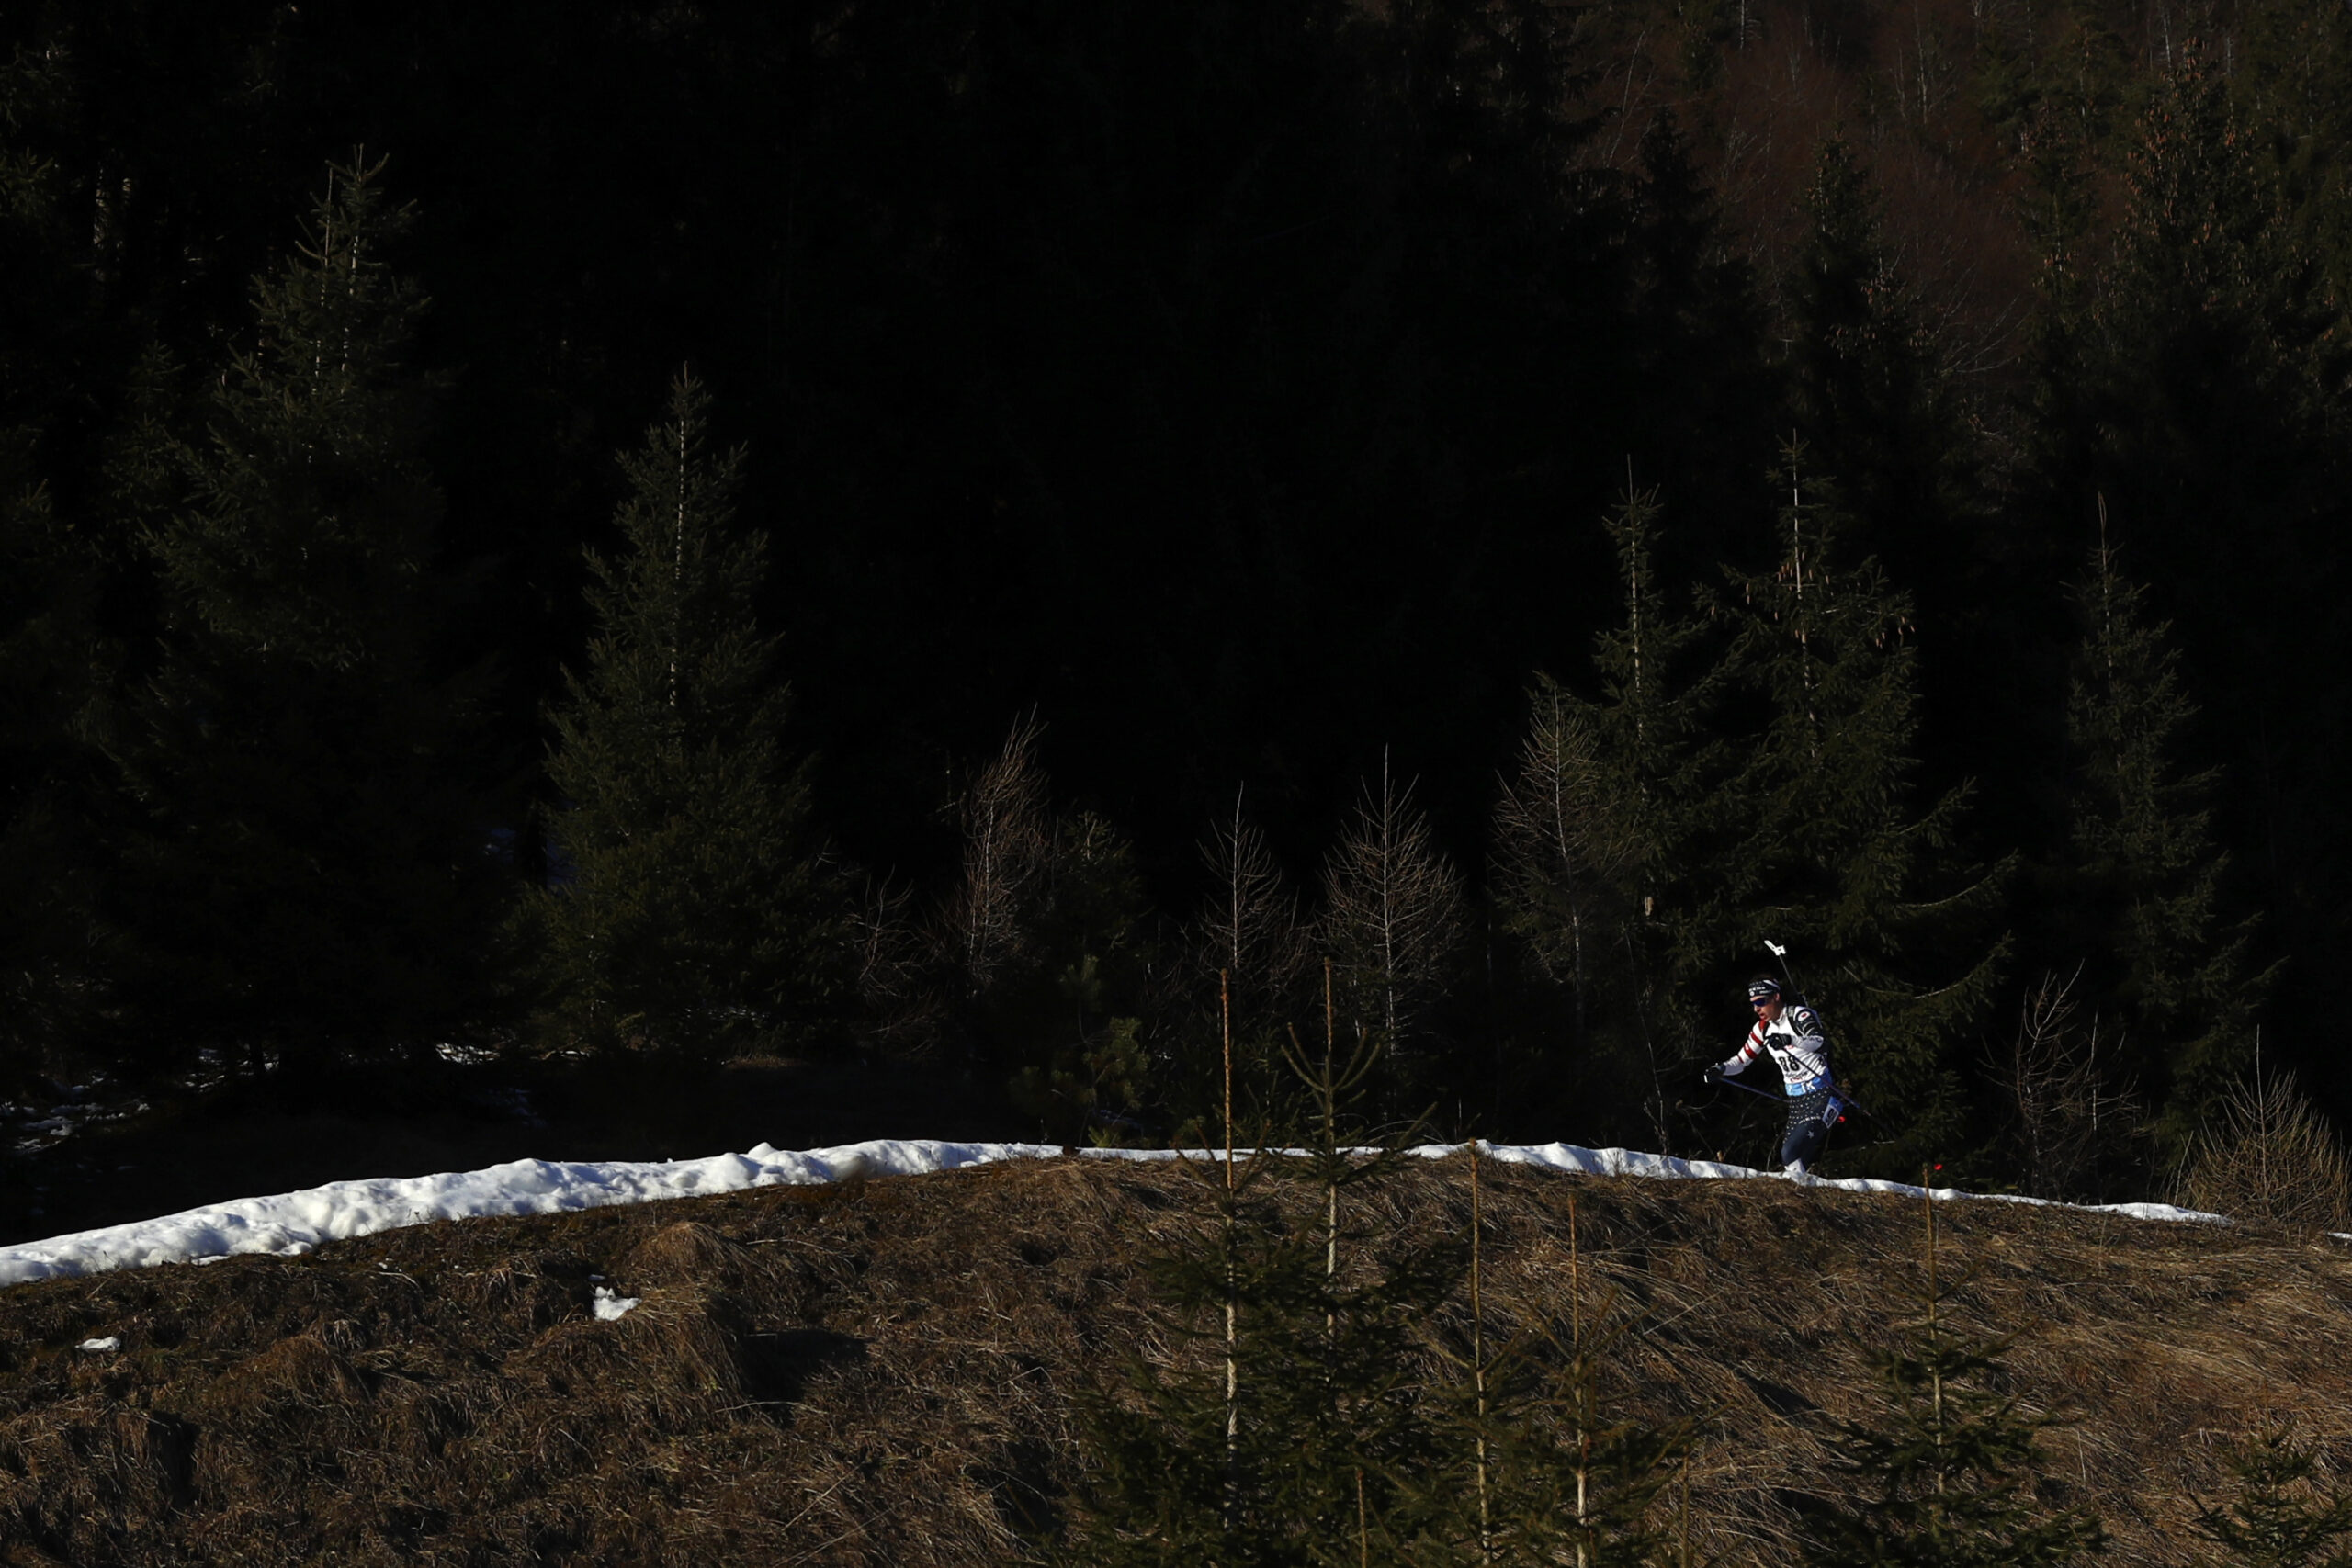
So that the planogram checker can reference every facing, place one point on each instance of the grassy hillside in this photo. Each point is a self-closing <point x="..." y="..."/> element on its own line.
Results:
<point x="880" y="1372"/>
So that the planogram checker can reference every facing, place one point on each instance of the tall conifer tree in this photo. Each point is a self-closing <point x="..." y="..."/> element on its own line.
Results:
<point x="1825" y="851"/>
<point x="1869" y="396"/>
<point x="305" y="869"/>
<point x="1596" y="836"/>
<point x="690" y="913"/>
<point x="1659" y="700"/>
<point x="1710" y="421"/>
<point x="51" y="663"/>
<point x="1877" y="406"/>
<point x="2145" y="863"/>
<point x="1566" y="854"/>
<point x="2289" y="65"/>
<point x="2216" y="359"/>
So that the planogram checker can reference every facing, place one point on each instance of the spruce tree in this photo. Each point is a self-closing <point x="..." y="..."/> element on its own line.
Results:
<point x="1947" y="1470"/>
<point x="1875" y="404"/>
<point x="1700" y="340"/>
<point x="53" y="662"/>
<point x="304" y="866"/>
<point x="1286" y="1429"/>
<point x="1567" y="853"/>
<point x="1537" y="1467"/>
<point x="2216" y="349"/>
<point x="2288" y="66"/>
<point x="2145" y="864"/>
<point x="2278" y="1516"/>
<point x="1599" y="832"/>
<point x="691" y="913"/>
<point x="2214" y="359"/>
<point x="1864" y="376"/>
<point x="1824" y="850"/>
<point x="1584" y="1485"/>
<point x="2064" y="122"/>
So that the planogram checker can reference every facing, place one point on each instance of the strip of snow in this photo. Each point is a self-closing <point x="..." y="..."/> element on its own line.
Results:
<point x="111" y="1342"/>
<point x="1628" y="1162"/>
<point x="290" y="1223"/>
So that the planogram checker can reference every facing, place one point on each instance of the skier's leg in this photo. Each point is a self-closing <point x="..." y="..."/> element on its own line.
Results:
<point x="1808" y="1131"/>
<point x="1803" y="1143"/>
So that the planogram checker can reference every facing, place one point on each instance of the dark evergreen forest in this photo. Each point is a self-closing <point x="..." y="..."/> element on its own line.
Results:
<point x="935" y="530"/>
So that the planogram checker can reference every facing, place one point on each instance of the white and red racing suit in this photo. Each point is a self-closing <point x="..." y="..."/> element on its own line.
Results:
<point x="1799" y="1046"/>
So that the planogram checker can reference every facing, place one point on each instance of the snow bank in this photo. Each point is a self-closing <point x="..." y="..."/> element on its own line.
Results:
<point x="1628" y="1162"/>
<point x="291" y="1224"/>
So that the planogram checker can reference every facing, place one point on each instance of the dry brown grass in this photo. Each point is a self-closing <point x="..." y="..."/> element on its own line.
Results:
<point x="879" y="1372"/>
<point x="2270" y="1158"/>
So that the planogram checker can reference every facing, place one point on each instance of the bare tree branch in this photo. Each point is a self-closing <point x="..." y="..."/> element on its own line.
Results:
<point x="1393" y="910"/>
<point x="1008" y="843"/>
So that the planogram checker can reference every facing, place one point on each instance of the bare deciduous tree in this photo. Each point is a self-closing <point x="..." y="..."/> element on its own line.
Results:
<point x="1393" y="911"/>
<point x="2068" y="1117"/>
<point x="893" y="964"/>
<point x="1248" y="927"/>
<point x="1008" y="845"/>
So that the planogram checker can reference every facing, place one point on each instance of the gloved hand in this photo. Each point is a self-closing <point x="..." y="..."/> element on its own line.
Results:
<point x="1715" y="1073"/>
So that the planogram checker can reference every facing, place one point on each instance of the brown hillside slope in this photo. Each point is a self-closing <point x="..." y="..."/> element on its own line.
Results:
<point x="878" y="1373"/>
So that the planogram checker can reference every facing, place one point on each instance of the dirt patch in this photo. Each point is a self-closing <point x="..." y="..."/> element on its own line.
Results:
<point x="880" y="1372"/>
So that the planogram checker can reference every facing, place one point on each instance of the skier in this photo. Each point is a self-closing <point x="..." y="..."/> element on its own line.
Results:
<point x="1799" y="1048"/>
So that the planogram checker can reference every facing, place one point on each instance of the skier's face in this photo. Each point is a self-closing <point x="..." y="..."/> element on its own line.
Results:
<point x="1767" y="1009"/>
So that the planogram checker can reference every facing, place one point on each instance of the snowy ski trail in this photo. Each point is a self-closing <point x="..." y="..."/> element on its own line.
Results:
<point x="290" y="1223"/>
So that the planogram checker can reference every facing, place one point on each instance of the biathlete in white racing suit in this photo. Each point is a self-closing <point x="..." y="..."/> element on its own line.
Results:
<point x="1799" y="1046"/>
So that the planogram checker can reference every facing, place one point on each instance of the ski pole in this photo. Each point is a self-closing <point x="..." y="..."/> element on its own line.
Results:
<point x="1759" y="1093"/>
<point x="1777" y="950"/>
<point x="1843" y="1098"/>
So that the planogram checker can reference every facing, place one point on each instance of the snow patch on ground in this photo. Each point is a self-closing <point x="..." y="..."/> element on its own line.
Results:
<point x="611" y="1308"/>
<point x="290" y="1223"/>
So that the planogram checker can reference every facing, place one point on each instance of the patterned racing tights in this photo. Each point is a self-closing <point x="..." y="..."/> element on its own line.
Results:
<point x="1811" y="1116"/>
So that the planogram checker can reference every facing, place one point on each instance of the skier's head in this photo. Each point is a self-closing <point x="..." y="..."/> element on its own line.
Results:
<point x="1764" y="996"/>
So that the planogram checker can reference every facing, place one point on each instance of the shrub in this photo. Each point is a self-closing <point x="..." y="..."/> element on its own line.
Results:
<point x="2268" y="1156"/>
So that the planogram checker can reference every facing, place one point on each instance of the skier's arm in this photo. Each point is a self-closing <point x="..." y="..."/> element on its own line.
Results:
<point x="1746" y="1054"/>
